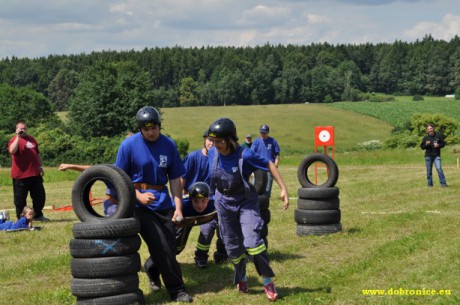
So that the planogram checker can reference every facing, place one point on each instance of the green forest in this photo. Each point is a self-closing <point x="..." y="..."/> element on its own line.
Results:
<point x="102" y="91"/>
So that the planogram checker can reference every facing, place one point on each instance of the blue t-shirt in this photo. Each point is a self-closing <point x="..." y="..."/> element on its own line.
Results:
<point x="153" y="163"/>
<point x="268" y="148"/>
<point x="251" y="161"/>
<point x="189" y="211"/>
<point x="196" y="167"/>
<point x="22" y="223"/>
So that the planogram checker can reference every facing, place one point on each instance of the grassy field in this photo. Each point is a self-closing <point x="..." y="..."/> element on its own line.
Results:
<point x="402" y="110"/>
<point x="397" y="234"/>
<point x="292" y="125"/>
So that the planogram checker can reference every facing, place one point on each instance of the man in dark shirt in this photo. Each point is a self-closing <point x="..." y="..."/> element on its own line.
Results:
<point x="432" y="143"/>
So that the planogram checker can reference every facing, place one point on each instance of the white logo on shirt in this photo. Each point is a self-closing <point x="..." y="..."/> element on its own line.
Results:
<point x="269" y="146"/>
<point x="235" y="169"/>
<point x="30" y="145"/>
<point x="163" y="161"/>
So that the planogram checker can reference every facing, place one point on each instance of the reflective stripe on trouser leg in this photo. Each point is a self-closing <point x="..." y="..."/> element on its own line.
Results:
<point x="207" y="232"/>
<point x="262" y="264"/>
<point x="240" y="268"/>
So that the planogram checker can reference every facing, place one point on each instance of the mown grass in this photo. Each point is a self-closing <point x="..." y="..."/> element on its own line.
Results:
<point x="397" y="234"/>
<point x="293" y="125"/>
<point x="402" y="109"/>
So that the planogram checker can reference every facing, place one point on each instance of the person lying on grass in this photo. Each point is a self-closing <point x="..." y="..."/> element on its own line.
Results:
<point x="24" y="221"/>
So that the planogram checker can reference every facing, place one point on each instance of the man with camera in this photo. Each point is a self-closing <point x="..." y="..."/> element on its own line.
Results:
<point x="26" y="172"/>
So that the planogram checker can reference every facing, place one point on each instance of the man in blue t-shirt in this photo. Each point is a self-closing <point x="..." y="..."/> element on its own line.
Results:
<point x="152" y="160"/>
<point x="267" y="147"/>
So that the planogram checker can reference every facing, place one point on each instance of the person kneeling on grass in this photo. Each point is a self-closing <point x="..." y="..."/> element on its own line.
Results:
<point x="197" y="209"/>
<point x="24" y="221"/>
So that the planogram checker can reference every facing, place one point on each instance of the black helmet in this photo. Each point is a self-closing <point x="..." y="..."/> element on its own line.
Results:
<point x="223" y="128"/>
<point x="199" y="190"/>
<point x="148" y="116"/>
<point x="206" y="133"/>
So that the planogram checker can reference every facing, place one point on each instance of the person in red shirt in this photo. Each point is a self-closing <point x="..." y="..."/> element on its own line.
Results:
<point x="26" y="172"/>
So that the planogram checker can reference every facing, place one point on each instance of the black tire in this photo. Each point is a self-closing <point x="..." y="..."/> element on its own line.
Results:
<point x="332" y="169"/>
<point x="264" y="231"/>
<point x="86" y="248"/>
<point x="264" y="202"/>
<point x="103" y="267"/>
<point x="109" y="228"/>
<point x="92" y="288"/>
<point x="266" y="216"/>
<point x="107" y="173"/>
<point x="318" y="204"/>
<point x="118" y="299"/>
<point x="303" y="230"/>
<point x="317" y="217"/>
<point x="318" y="193"/>
<point x="259" y="180"/>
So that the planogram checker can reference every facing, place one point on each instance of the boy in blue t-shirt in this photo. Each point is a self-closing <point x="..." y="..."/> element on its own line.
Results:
<point x="198" y="208"/>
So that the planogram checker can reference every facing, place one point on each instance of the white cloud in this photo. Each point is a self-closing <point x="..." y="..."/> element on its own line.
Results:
<point x="265" y="15"/>
<point x="31" y="28"/>
<point x="313" y="18"/>
<point x="447" y="28"/>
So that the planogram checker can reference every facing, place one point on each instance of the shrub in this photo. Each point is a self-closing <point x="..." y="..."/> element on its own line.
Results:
<point x="418" y="97"/>
<point x="370" y="145"/>
<point x="182" y="146"/>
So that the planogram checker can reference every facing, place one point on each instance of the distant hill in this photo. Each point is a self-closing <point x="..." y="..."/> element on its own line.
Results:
<point x="293" y="125"/>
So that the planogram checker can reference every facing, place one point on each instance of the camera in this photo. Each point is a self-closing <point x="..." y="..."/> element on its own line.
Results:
<point x="21" y="132"/>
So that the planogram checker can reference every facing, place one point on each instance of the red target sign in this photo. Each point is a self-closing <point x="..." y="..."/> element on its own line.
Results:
<point x="324" y="135"/>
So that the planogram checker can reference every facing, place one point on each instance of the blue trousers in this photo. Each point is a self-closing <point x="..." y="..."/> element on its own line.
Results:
<point x="429" y="161"/>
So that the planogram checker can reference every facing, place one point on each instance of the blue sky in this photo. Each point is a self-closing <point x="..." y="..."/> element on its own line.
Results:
<point x="31" y="28"/>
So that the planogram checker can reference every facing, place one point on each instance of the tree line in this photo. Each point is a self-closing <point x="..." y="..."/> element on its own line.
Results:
<point x="103" y="90"/>
<point x="269" y="74"/>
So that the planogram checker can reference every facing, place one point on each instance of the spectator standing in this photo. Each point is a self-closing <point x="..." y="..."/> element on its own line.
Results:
<point x="267" y="147"/>
<point x="151" y="160"/>
<point x="247" y="141"/>
<point x="27" y="172"/>
<point x="432" y="143"/>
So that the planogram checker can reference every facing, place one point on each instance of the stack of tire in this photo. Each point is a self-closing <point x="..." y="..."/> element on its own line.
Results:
<point x="105" y="259"/>
<point x="318" y="206"/>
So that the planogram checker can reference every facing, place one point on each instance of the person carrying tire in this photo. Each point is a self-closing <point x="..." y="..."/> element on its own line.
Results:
<point x="236" y="202"/>
<point x="197" y="207"/>
<point x="151" y="160"/>
<point x="197" y="169"/>
<point x="267" y="147"/>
